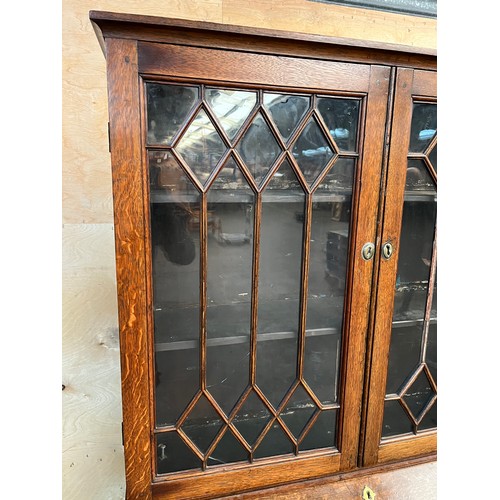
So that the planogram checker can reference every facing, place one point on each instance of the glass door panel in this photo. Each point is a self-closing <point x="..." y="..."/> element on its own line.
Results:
<point x="251" y="198"/>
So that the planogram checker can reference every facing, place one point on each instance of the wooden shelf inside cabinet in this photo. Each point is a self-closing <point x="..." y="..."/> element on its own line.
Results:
<point x="245" y="301"/>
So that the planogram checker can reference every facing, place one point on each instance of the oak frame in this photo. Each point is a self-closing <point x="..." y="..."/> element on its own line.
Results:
<point x="132" y="51"/>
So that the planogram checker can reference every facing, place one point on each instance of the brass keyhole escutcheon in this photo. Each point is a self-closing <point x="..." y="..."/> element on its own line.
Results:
<point x="387" y="250"/>
<point x="368" y="251"/>
<point x="368" y="494"/>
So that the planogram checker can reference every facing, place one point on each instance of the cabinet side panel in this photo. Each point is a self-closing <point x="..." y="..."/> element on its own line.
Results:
<point x="124" y="115"/>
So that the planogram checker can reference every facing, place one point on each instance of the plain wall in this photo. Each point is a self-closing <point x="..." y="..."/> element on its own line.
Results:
<point x="93" y="464"/>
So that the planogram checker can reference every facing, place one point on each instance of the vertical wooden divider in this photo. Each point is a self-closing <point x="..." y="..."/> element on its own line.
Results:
<point x="364" y="230"/>
<point x="124" y="117"/>
<point x="396" y="176"/>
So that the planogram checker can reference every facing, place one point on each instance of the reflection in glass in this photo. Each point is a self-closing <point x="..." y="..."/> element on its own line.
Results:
<point x="286" y="110"/>
<point x="232" y="107"/>
<point x="229" y="284"/>
<point x="279" y="282"/>
<point x="252" y="417"/>
<point x="431" y="351"/>
<point x="175" y="204"/>
<point x="419" y="394"/>
<point x="416" y="240"/>
<point x="433" y="157"/>
<point x="258" y="148"/>
<point x="201" y="146"/>
<point x="396" y="421"/>
<point x="298" y="411"/>
<point x="418" y="178"/>
<point x="275" y="442"/>
<point x="168" y="107"/>
<point x="341" y="117"/>
<point x="202" y="424"/>
<point x="404" y="356"/>
<point x="430" y="419"/>
<point x="329" y="248"/>
<point x="423" y="126"/>
<point x="323" y="433"/>
<point x="173" y="454"/>
<point x="312" y="151"/>
<point x="229" y="449"/>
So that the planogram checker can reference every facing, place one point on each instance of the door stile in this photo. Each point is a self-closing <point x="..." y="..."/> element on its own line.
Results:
<point x="409" y="84"/>
<point x="131" y="266"/>
<point x="363" y="230"/>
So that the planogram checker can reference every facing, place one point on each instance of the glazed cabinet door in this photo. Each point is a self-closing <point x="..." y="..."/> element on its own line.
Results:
<point x="402" y="396"/>
<point x="246" y="186"/>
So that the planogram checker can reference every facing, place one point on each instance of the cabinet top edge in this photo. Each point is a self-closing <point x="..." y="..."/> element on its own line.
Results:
<point x="113" y="24"/>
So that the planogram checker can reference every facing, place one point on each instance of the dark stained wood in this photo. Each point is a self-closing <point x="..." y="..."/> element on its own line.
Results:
<point x="230" y="66"/>
<point x="257" y="40"/>
<point x="224" y="481"/>
<point x="363" y="230"/>
<point x="425" y="83"/>
<point x="126" y="158"/>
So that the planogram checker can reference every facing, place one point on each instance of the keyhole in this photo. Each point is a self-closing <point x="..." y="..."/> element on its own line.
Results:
<point x="368" y="494"/>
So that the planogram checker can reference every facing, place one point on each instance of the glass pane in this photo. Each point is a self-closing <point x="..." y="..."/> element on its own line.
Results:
<point x="252" y="417"/>
<point x="341" y="117"/>
<point x="168" y="107"/>
<point x="201" y="146"/>
<point x="312" y="151"/>
<point x="232" y="108"/>
<point x="404" y="355"/>
<point x="418" y="178"/>
<point x="258" y="148"/>
<point x="228" y="450"/>
<point x="275" y="442"/>
<point x="430" y="419"/>
<point x="323" y="433"/>
<point x="202" y="424"/>
<point x="396" y="420"/>
<point x="423" y="126"/>
<point x="286" y="110"/>
<point x="298" y="411"/>
<point x="433" y="157"/>
<point x="416" y="240"/>
<point x="175" y="204"/>
<point x="173" y="454"/>
<point x="327" y="276"/>
<point x="419" y="394"/>
<point x="431" y="351"/>
<point x="229" y="285"/>
<point x="279" y="283"/>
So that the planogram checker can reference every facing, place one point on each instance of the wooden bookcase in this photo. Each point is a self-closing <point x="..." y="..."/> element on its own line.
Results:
<point x="274" y="203"/>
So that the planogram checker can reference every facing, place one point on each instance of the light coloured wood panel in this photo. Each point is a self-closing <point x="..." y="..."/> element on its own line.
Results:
<point x="92" y="455"/>
<point x="90" y="370"/>
<point x="87" y="196"/>
<point x="320" y="18"/>
<point x="93" y="473"/>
